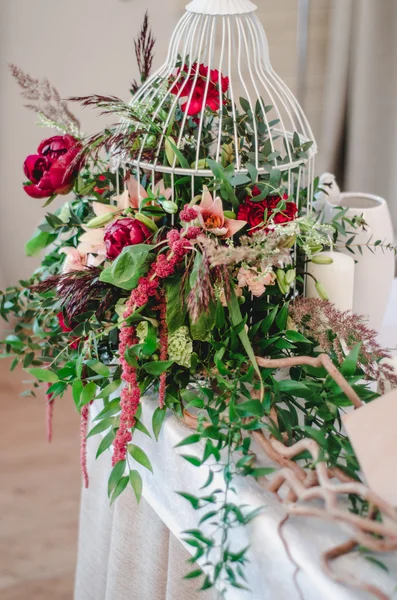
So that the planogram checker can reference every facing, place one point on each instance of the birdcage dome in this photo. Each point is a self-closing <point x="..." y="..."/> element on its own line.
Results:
<point x="217" y="98"/>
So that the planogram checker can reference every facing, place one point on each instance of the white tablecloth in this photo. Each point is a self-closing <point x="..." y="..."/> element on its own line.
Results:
<point x="270" y="571"/>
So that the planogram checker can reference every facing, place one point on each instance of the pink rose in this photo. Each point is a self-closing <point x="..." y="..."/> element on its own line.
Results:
<point x="122" y="233"/>
<point x="49" y="171"/>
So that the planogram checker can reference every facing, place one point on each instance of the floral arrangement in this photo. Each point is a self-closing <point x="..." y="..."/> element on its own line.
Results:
<point x="195" y="300"/>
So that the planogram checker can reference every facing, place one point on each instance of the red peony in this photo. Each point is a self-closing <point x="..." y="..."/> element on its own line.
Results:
<point x="122" y="233"/>
<point x="211" y="96"/>
<point x="254" y="212"/>
<point x="49" y="171"/>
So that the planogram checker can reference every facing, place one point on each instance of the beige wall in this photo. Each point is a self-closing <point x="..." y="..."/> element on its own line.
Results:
<point x="86" y="46"/>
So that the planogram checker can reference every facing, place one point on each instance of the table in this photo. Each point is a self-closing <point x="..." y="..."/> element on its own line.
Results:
<point x="270" y="572"/>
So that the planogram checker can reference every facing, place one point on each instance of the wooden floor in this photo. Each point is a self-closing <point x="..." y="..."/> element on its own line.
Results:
<point x="39" y="495"/>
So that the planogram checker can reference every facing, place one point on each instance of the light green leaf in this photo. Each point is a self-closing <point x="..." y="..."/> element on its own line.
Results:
<point x="140" y="456"/>
<point x="38" y="242"/>
<point x="136" y="484"/>
<point x="44" y="375"/>
<point x="350" y="363"/>
<point x="100" y="427"/>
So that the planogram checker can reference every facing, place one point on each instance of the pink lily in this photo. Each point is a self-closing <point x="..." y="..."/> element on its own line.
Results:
<point x="135" y="193"/>
<point x="212" y="218"/>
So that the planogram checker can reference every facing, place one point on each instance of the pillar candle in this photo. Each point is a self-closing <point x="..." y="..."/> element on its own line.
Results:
<point x="337" y="279"/>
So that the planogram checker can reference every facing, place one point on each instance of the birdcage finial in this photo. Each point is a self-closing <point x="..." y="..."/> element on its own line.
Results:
<point x="221" y="7"/>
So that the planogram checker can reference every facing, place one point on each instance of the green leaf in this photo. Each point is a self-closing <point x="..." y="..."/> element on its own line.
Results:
<point x="109" y="389"/>
<point x="193" y="460"/>
<point x="191" y="439"/>
<point x="99" y="368"/>
<point x="294" y="388"/>
<point x="157" y="421"/>
<point x="176" y="313"/>
<point x="250" y="408"/>
<point x="236" y="318"/>
<point x="200" y="330"/>
<point x="156" y="368"/>
<point x="240" y="179"/>
<point x="182" y="160"/>
<point x="318" y="435"/>
<point x="38" y="242"/>
<point x="100" y="427"/>
<point x="245" y="105"/>
<point x="193" y="574"/>
<point x="77" y="388"/>
<point x="88" y="393"/>
<point x="195" y="502"/>
<point x="136" y="484"/>
<point x="350" y="363"/>
<point x="111" y="408"/>
<point x="141" y="427"/>
<point x="116" y="475"/>
<point x="269" y="320"/>
<point x="130" y="265"/>
<point x="106" y="442"/>
<point x="282" y="317"/>
<point x="44" y="375"/>
<point x="140" y="456"/>
<point x="295" y="336"/>
<point x="126" y="270"/>
<point x="120" y="487"/>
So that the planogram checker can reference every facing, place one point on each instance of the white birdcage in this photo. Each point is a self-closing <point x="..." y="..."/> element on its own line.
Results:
<point x="218" y="62"/>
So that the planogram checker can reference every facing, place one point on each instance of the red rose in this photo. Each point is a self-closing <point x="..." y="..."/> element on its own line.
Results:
<point x="122" y="233"/>
<point x="254" y="212"/>
<point x="66" y="329"/>
<point x="201" y="94"/>
<point x="50" y="169"/>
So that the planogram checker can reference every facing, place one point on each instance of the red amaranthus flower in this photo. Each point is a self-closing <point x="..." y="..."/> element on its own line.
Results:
<point x="206" y="87"/>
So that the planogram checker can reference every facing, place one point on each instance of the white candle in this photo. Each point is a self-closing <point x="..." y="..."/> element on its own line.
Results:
<point x="336" y="278"/>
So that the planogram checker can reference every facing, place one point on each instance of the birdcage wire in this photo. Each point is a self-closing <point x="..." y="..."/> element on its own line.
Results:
<point x="216" y="39"/>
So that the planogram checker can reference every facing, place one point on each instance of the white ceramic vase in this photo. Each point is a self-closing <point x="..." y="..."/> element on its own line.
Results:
<point x="374" y="271"/>
<point x="337" y="279"/>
